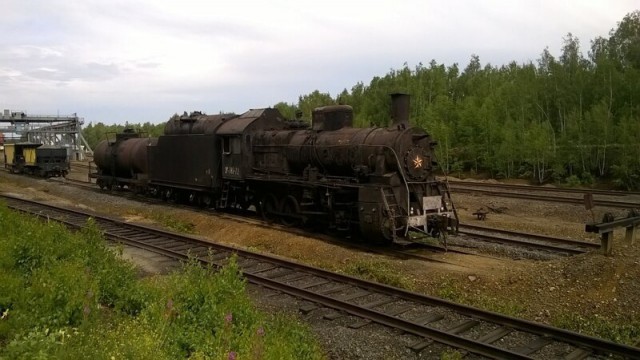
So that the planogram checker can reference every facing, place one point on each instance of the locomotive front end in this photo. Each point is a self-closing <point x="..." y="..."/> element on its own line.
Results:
<point x="386" y="174"/>
<point x="404" y="184"/>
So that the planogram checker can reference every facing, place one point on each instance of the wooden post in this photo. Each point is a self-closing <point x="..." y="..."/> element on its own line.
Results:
<point x="606" y="242"/>
<point x="630" y="234"/>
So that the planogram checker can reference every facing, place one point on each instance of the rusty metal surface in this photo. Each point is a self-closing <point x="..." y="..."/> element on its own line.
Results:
<point x="332" y="117"/>
<point x="400" y="108"/>
<point x="631" y="221"/>
<point x="196" y="123"/>
<point x="123" y="158"/>
<point x="186" y="160"/>
<point x="342" y="151"/>
<point x="268" y="119"/>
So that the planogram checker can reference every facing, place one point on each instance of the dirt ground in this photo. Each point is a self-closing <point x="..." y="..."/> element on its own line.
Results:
<point x="591" y="293"/>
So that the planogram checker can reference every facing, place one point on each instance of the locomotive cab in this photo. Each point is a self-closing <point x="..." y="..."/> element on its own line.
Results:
<point x="232" y="157"/>
<point x="235" y="134"/>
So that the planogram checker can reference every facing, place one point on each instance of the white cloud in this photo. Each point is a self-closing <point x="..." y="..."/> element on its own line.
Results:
<point x="149" y="58"/>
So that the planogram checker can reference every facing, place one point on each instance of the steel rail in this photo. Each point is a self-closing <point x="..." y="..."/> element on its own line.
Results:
<point x="465" y="184"/>
<point x="560" y="199"/>
<point x="551" y="243"/>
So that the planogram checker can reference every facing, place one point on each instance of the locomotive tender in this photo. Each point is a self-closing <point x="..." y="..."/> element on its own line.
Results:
<point x="378" y="182"/>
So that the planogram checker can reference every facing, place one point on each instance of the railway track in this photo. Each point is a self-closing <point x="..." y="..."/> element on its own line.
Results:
<point x="426" y="318"/>
<point x="548" y="198"/>
<point x="533" y="241"/>
<point x="455" y="184"/>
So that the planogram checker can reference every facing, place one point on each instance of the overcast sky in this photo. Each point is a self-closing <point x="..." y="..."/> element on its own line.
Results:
<point x="125" y="60"/>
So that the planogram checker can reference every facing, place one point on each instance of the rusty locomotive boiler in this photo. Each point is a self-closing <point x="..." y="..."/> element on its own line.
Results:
<point x="378" y="182"/>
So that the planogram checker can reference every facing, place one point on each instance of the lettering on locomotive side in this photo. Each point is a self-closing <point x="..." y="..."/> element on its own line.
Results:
<point x="232" y="170"/>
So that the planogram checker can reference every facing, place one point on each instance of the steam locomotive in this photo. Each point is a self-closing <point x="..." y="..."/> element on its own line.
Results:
<point x="378" y="182"/>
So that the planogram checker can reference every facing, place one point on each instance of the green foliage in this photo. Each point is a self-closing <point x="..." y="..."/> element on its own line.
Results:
<point x="67" y="296"/>
<point x="380" y="272"/>
<point x="451" y="355"/>
<point x="95" y="133"/>
<point x="172" y="223"/>
<point x="624" y="332"/>
<point x="448" y="289"/>
<point x="287" y="110"/>
<point x="573" y="181"/>
<point x="626" y="178"/>
<point x="453" y="290"/>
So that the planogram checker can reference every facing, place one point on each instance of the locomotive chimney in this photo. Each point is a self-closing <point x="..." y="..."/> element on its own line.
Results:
<point x="399" y="109"/>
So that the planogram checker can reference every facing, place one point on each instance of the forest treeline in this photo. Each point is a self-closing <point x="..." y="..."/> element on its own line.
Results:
<point x="571" y="118"/>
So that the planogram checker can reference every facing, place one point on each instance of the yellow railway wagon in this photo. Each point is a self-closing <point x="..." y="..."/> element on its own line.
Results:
<point x="30" y="157"/>
<point x="9" y="155"/>
<point x="35" y="159"/>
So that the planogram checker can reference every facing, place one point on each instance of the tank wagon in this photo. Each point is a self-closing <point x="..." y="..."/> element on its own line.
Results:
<point x="122" y="162"/>
<point x="36" y="159"/>
<point x="378" y="182"/>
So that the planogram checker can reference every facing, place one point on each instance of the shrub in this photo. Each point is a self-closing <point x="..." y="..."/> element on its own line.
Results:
<point x="573" y="181"/>
<point x="66" y="295"/>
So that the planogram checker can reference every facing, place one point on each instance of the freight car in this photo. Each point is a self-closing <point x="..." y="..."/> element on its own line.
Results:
<point x="122" y="162"/>
<point x="378" y="182"/>
<point x="36" y="159"/>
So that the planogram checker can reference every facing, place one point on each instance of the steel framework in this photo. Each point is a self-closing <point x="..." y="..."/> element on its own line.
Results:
<point x="47" y="129"/>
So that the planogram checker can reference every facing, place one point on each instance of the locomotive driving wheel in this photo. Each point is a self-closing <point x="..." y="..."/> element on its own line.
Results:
<point x="388" y="229"/>
<point x="291" y="211"/>
<point x="269" y="207"/>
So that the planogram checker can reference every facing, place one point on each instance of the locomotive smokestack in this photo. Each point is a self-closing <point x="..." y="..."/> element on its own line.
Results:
<point x="400" y="109"/>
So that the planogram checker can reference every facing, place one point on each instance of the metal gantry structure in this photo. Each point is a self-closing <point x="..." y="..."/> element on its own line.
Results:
<point x="54" y="130"/>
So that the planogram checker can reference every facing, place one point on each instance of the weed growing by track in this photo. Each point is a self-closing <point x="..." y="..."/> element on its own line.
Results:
<point x="452" y="290"/>
<point x="379" y="271"/>
<point x="65" y="295"/>
<point x="624" y="332"/>
<point x="172" y="223"/>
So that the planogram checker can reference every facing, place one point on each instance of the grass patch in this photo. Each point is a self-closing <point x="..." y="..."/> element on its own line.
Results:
<point x="451" y="289"/>
<point x="172" y="223"/>
<point x="625" y="333"/>
<point x="66" y="296"/>
<point x="379" y="271"/>
<point x="451" y="355"/>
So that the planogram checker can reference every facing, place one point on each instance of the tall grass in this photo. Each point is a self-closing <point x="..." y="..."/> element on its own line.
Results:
<point x="65" y="295"/>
